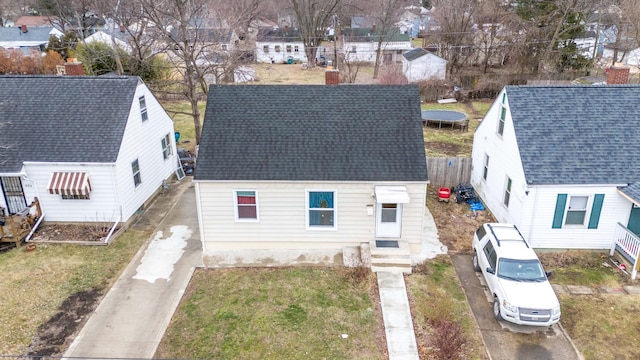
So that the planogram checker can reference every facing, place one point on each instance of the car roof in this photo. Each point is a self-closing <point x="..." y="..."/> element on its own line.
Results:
<point x="509" y="242"/>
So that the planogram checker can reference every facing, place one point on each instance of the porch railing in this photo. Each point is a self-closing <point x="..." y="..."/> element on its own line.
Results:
<point x="627" y="244"/>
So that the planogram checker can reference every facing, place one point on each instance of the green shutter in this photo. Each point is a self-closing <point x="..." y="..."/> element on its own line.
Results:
<point x="561" y="203"/>
<point x="595" y="211"/>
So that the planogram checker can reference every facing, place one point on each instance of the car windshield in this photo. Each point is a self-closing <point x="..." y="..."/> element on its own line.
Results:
<point x="521" y="270"/>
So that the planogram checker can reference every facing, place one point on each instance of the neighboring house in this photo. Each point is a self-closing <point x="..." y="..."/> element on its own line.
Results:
<point x="301" y="173"/>
<point x="362" y="45"/>
<point x="561" y="162"/>
<point x="35" y="21"/>
<point x="420" y="65"/>
<point x="26" y="38"/>
<point x="119" y="38"/>
<point x="91" y="149"/>
<point x="279" y="45"/>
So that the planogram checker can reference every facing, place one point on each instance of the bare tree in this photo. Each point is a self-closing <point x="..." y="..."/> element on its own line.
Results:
<point x="191" y="33"/>
<point x="455" y="37"/>
<point x="313" y="16"/>
<point x="385" y="14"/>
<point x="492" y="35"/>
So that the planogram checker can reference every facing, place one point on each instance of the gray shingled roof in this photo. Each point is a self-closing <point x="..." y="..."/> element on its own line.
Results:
<point x="415" y="54"/>
<point x="14" y="34"/>
<point x="313" y="133"/>
<point x="63" y="118"/>
<point x="577" y="134"/>
<point x="278" y="35"/>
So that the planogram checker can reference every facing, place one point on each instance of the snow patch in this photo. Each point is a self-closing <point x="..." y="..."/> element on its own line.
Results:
<point x="162" y="254"/>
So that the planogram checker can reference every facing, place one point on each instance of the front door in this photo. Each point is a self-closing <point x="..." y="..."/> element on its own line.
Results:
<point x="634" y="220"/>
<point x="389" y="220"/>
<point x="13" y="194"/>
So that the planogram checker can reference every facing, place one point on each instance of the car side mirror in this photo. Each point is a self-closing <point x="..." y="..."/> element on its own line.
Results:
<point x="490" y="270"/>
<point x="548" y="273"/>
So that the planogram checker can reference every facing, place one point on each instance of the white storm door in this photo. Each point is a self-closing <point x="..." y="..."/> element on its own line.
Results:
<point x="388" y="220"/>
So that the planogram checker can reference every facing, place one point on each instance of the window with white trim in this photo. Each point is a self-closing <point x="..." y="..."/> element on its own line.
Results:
<point x="503" y="116"/>
<point x="577" y="210"/>
<point x="321" y="209"/>
<point x="143" y="108"/>
<point x="288" y="48"/>
<point x="277" y="48"/>
<point x="246" y="205"/>
<point x="507" y="192"/>
<point x="166" y="146"/>
<point x="265" y="49"/>
<point x="135" y="169"/>
<point x="296" y="49"/>
<point x="485" y="167"/>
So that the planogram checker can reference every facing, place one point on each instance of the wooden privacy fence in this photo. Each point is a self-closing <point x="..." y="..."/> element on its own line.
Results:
<point x="448" y="172"/>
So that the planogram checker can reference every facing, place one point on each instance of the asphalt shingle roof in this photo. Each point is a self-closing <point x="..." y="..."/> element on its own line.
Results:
<point x="62" y="118"/>
<point x="577" y="134"/>
<point x="312" y="133"/>
<point x="415" y="54"/>
<point x="15" y="34"/>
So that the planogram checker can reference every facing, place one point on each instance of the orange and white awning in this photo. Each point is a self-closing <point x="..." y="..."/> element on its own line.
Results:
<point x="70" y="183"/>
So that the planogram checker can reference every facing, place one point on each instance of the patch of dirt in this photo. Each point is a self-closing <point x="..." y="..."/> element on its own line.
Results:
<point x="54" y="336"/>
<point x="72" y="232"/>
<point x="442" y="147"/>
<point x="455" y="222"/>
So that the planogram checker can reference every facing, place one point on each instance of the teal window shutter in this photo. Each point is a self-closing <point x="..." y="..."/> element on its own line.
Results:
<point x="595" y="211"/>
<point x="561" y="203"/>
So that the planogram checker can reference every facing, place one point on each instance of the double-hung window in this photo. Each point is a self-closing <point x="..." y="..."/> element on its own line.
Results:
<point x="507" y="192"/>
<point x="135" y="169"/>
<point x="485" y="167"/>
<point x="246" y="204"/>
<point x="321" y="209"/>
<point x="577" y="210"/>
<point x="265" y="49"/>
<point x="143" y="108"/>
<point x="166" y="146"/>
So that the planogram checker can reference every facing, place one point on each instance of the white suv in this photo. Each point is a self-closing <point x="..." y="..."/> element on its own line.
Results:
<point x="519" y="286"/>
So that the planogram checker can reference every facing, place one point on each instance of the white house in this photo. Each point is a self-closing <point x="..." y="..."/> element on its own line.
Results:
<point x="420" y="65"/>
<point x="361" y="44"/>
<point x="561" y="162"/>
<point x="285" y="178"/>
<point x="91" y="149"/>
<point x="119" y="38"/>
<point x="27" y="38"/>
<point x="279" y="45"/>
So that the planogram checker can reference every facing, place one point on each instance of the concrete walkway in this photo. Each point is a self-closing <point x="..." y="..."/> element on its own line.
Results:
<point x="398" y="326"/>
<point x="132" y="318"/>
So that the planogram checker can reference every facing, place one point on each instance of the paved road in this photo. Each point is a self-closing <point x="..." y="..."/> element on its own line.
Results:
<point x="505" y="340"/>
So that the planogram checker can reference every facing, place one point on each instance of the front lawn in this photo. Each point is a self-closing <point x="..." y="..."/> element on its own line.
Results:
<point x="284" y="313"/>
<point x="440" y="311"/>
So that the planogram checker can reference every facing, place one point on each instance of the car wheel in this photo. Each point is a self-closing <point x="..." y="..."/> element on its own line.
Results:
<point x="476" y="266"/>
<point x="496" y="308"/>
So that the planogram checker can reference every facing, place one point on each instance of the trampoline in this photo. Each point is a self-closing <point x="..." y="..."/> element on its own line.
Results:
<point x="446" y="117"/>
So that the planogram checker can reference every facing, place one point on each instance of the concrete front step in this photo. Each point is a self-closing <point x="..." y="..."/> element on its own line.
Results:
<point x="391" y="269"/>
<point x="399" y="260"/>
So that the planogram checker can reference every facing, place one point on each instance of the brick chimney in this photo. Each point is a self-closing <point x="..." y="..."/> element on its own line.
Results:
<point x="73" y="67"/>
<point x="23" y="28"/>
<point x="617" y="74"/>
<point x="332" y="77"/>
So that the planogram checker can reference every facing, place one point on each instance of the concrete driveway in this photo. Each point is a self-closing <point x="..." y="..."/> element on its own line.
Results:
<point x="502" y="339"/>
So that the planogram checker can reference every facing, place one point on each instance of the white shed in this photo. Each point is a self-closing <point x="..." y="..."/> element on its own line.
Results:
<point x="420" y="65"/>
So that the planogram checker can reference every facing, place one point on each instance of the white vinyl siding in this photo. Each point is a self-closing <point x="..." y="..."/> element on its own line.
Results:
<point x="137" y="140"/>
<point x="283" y="218"/>
<point x="102" y="205"/>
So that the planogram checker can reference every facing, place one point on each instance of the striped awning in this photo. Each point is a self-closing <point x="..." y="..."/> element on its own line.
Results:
<point x="70" y="183"/>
